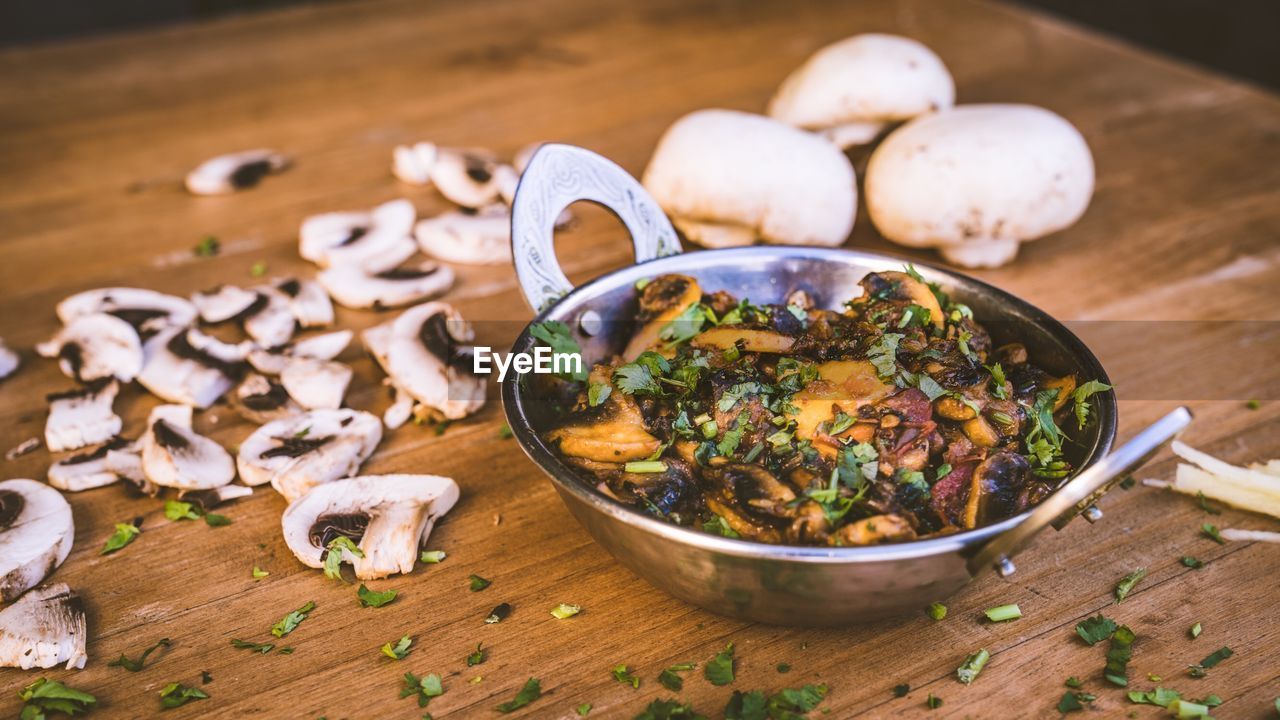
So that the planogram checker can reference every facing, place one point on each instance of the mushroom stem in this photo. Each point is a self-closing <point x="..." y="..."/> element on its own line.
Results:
<point x="981" y="252"/>
<point x="852" y="134"/>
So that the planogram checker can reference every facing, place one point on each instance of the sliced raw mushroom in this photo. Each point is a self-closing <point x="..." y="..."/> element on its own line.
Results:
<point x="235" y="171"/>
<point x="126" y="463"/>
<point x="427" y="358"/>
<point x="9" y="361"/>
<point x="481" y="237"/>
<point x="325" y="346"/>
<point x="87" y="470"/>
<point x="414" y="163"/>
<point x="82" y="417"/>
<point x="173" y="455"/>
<point x="388" y="517"/>
<point x="147" y="311"/>
<point x="223" y="303"/>
<point x="262" y="399"/>
<point x="467" y="177"/>
<point x="179" y="372"/>
<point x="377" y="340"/>
<point x="316" y="384"/>
<point x="298" y="453"/>
<point x="727" y="178"/>
<point x="44" y="628"/>
<point x="352" y="288"/>
<point x="373" y="241"/>
<point x="36" y="532"/>
<point x="401" y="408"/>
<point x="211" y="498"/>
<point x="229" y="353"/>
<point x="270" y="322"/>
<point x="850" y="90"/>
<point x="96" y="346"/>
<point x="308" y="302"/>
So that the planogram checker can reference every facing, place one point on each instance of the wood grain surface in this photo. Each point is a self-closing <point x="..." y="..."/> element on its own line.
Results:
<point x="96" y="135"/>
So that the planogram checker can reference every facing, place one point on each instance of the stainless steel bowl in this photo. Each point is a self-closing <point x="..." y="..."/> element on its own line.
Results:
<point x="782" y="584"/>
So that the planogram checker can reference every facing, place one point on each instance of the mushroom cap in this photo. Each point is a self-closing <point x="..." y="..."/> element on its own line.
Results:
<point x="871" y="79"/>
<point x="393" y="515"/>
<point x="426" y="358"/>
<point x="324" y="346"/>
<point x="223" y="302"/>
<point x="270" y="322"/>
<point x="478" y="238"/>
<point x="376" y="240"/>
<point x="309" y="449"/>
<point x="352" y="287"/>
<point x="84" y="416"/>
<point x="413" y="163"/>
<point x="308" y="302"/>
<point x="737" y="169"/>
<point x="36" y="531"/>
<point x="44" y="628"/>
<point x="234" y="171"/>
<point x="976" y="180"/>
<point x="173" y="455"/>
<point x="96" y="346"/>
<point x="469" y="177"/>
<point x="143" y="309"/>
<point x="315" y="383"/>
<point x="177" y="371"/>
<point x="86" y="470"/>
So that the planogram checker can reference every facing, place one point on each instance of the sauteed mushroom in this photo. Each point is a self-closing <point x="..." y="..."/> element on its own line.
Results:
<point x="612" y="432"/>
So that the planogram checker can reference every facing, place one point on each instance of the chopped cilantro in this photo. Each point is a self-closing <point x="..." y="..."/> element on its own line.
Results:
<point x="597" y="393"/>
<point x="1217" y="656"/>
<point x="432" y="556"/>
<point x="1073" y="682"/>
<point x="1192" y="563"/>
<point x="1072" y="701"/>
<point x="687" y="324"/>
<point x="1203" y="502"/>
<point x="135" y="665"/>
<point x="216" y="520"/>
<point x="125" y="533"/>
<point x="557" y="336"/>
<point x="636" y="378"/>
<point x="669" y="710"/>
<point x="968" y="672"/>
<point x="334" y="553"/>
<point x="374" y="598"/>
<point x="1254" y="405"/>
<point x="399" y="650"/>
<point x="1081" y="397"/>
<point x="175" y="510"/>
<point x="933" y="702"/>
<point x="176" y="695"/>
<point x="262" y="648"/>
<point x="901" y="690"/>
<point x="1195" y="631"/>
<point x="505" y="433"/>
<point x="937" y="610"/>
<point x="783" y="667"/>
<point x="44" y="697"/>
<point x="1127" y="583"/>
<point x="718" y="526"/>
<point x="1095" y="629"/>
<point x="669" y="678"/>
<point x="998" y="382"/>
<point x="1160" y="696"/>
<point x="258" y="269"/>
<point x="259" y="573"/>
<point x="207" y="247"/>
<point x="1209" y="529"/>
<point x="563" y="611"/>
<point x="531" y="691"/>
<point x="624" y="675"/>
<point x="423" y="688"/>
<point x="290" y="622"/>
<point x="583" y="710"/>
<point x="719" y="670"/>
<point x="1118" y="655"/>
<point x="883" y="354"/>
<point x="478" y="583"/>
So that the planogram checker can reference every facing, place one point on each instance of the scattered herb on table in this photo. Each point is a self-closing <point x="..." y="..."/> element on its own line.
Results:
<point x="531" y="691"/>
<point x="176" y="695"/>
<point x="1073" y="682"/>
<point x="290" y="622"/>
<point x="623" y="674"/>
<point x="1074" y="701"/>
<point x="262" y="648"/>
<point x="374" y="598"/>
<point x="669" y="678"/>
<point x="1217" y="656"/>
<point x="1128" y="482"/>
<point x="1095" y="629"/>
<point x="933" y="702"/>
<point x="1209" y="529"/>
<point x="285" y="651"/>
<point x="505" y="433"/>
<point x="216" y="520"/>
<point x="719" y="670"/>
<point x="478" y="583"/>
<point x="259" y="573"/>
<point x="968" y="672"/>
<point x="433" y="557"/>
<point x="784" y="667"/>
<point x="177" y="510"/>
<point x="669" y="710"/>
<point x="1203" y="502"/>
<point x="424" y="688"/>
<point x="1254" y="405"/>
<point x="207" y="247"/>
<point x="564" y="611"/>
<point x="1160" y="696"/>
<point x="937" y="611"/>
<point x="1191" y="562"/>
<point x="136" y="665"/>
<point x="258" y="269"/>
<point x="46" y="696"/>
<point x="795" y="702"/>
<point x="1003" y="613"/>
<point x="334" y="554"/>
<point x="1195" y="631"/>
<point x="901" y="690"/>
<point x="1118" y="656"/>
<point x="498" y="614"/>
<point x="399" y="650"/>
<point x="583" y="710"/>
<point x="1127" y="583"/>
<point x="477" y="657"/>
<point x="125" y="533"/>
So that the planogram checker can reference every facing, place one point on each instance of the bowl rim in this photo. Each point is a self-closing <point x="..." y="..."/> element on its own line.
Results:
<point x="965" y="542"/>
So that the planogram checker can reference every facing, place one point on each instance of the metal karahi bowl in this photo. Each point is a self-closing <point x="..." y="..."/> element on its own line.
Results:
<point x="780" y="584"/>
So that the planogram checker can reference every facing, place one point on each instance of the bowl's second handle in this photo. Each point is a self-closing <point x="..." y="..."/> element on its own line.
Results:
<point x="557" y="176"/>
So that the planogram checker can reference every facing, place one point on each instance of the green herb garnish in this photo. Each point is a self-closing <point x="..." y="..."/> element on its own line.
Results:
<point x="432" y="556"/>
<point x="669" y="678"/>
<point x="478" y="583"/>
<point x="623" y="674"/>
<point x="424" y="688"/>
<point x="399" y="650"/>
<point x="374" y="598"/>
<point x="1195" y="631"/>
<point x="125" y="533"/>
<point x="45" y="696"/>
<point x="1217" y="656"/>
<point x="333" y="555"/>
<point x="1127" y="583"/>
<point x="290" y="622"/>
<point x="719" y="670"/>
<point x="563" y="611"/>
<point x="478" y="656"/>
<point x="262" y="648"/>
<point x="176" y="695"/>
<point x="531" y="691"/>
<point x="937" y="610"/>
<point x="558" y="337"/>
<point x="973" y="665"/>
<point x="1209" y="529"/>
<point x="1191" y="562"/>
<point x="135" y="665"/>
<point x="1095" y="629"/>
<point x="1118" y="655"/>
<point x="207" y="247"/>
<point x="1081" y="397"/>
<point x="1003" y="613"/>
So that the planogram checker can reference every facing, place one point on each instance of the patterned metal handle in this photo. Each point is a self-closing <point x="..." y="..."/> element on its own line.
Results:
<point x="557" y="176"/>
<point x="1079" y="493"/>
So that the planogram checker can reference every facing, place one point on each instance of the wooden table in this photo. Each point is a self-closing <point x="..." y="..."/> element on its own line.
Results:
<point x="95" y="136"/>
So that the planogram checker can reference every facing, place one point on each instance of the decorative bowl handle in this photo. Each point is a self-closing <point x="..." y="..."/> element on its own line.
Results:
<point x="557" y="176"/>
<point x="1079" y="493"/>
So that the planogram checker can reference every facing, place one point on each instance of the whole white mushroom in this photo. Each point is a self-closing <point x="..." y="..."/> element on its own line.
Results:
<point x="851" y="89"/>
<point x="977" y="180"/>
<point x="729" y="178"/>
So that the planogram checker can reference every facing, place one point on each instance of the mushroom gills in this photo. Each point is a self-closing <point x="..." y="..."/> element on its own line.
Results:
<point x="372" y="241"/>
<point x="308" y="301"/>
<point x="36" y="532"/>
<point x="96" y="346"/>
<point x="43" y="629"/>
<point x="82" y="417"/>
<point x="351" y="287"/>
<point x="325" y="346"/>
<point x="309" y="449"/>
<point x="177" y="371"/>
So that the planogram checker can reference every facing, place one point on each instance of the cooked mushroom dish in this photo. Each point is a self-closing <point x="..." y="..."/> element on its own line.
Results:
<point x="892" y="420"/>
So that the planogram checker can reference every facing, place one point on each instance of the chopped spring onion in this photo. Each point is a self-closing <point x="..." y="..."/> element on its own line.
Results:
<point x="646" y="466"/>
<point x="1004" y="612"/>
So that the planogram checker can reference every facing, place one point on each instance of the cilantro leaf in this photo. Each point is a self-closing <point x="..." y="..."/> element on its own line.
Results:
<point x="399" y="650"/>
<point x="262" y="648"/>
<point x="478" y="656"/>
<point x="1118" y="655"/>
<point x="335" y="553"/>
<point x="1209" y="529"/>
<point x="1217" y="656"/>
<point x="669" y="710"/>
<point x="136" y="665"/>
<point x="531" y="691"/>
<point x="669" y="678"/>
<point x="478" y="583"/>
<point x="176" y="694"/>
<point x="636" y="378"/>
<point x="937" y="610"/>
<point x="687" y="324"/>
<point x="1095" y="629"/>
<point x="719" y="670"/>
<point x="207" y="247"/>
<point x="1127" y="583"/>
<point x="883" y="354"/>
<point x="175" y="510"/>
<point x="374" y="598"/>
<point x="623" y="674"/>
<point x="557" y="336"/>
<point x="1081" y="397"/>
<point x="125" y="533"/>
<point x="597" y="393"/>
<point x="746" y="706"/>
<point x="290" y="622"/>
<point x="50" y="696"/>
